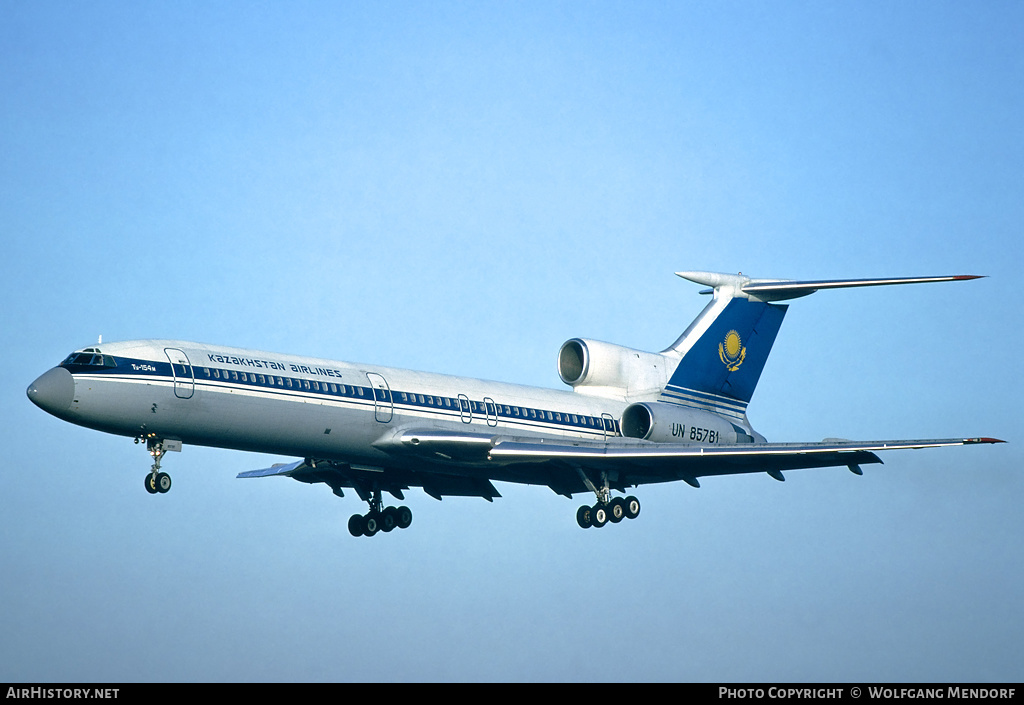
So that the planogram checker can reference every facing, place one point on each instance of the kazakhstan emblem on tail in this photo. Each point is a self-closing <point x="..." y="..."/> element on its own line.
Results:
<point x="731" y="351"/>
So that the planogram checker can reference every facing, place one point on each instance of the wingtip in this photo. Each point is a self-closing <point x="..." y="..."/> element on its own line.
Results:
<point x="983" y="440"/>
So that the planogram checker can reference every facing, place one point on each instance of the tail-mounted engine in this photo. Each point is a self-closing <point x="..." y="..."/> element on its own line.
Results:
<point x="604" y="369"/>
<point x="664" y="423"/>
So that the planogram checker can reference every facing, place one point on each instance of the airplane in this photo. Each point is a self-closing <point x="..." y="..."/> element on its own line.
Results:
<point x="632" y="418"/>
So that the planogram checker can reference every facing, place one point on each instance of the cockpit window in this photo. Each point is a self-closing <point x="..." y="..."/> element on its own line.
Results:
<point x="89" y="359"/>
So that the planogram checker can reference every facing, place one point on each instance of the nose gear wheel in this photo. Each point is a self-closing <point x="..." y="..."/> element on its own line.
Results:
<point x="157" y="482"/>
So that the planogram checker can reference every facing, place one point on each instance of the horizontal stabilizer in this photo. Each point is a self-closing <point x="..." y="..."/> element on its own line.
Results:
<point x="793" y="289"/>
<point x="782" y="289"/>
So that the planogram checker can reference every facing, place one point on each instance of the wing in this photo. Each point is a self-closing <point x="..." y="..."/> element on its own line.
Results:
<point x="463" y="464"/>
<point x="365" y="479"/>
<point x="660" y="462"/>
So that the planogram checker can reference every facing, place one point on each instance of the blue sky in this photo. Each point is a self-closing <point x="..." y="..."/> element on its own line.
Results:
<point x="460" y="187"/>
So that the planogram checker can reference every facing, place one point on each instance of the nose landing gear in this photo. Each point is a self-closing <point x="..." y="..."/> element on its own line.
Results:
<point x="157" y="482"/>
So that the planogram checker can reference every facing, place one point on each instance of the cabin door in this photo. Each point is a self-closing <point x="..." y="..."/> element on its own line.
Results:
<point x="181" y="370"/>
<point x="383" y="404"/>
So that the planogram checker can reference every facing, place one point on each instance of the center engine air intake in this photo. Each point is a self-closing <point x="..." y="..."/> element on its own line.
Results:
<point x="594" y="367"/>
<point x="572" y="361"/>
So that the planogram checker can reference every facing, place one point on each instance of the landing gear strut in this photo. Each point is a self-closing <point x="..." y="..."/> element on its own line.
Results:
<point x="156" y="481"/>
<point x="608" y="508"/>
<point x="378" y="519"/>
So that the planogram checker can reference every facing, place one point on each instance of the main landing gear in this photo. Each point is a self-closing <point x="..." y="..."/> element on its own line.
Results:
<point x="378" y="519"/>
<point x="614" y="511"/>
<point x="607" y="509"/>
<point x="157" y="482"/>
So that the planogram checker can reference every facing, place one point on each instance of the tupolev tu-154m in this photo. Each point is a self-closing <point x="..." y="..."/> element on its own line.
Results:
<point x="632" y="418"/>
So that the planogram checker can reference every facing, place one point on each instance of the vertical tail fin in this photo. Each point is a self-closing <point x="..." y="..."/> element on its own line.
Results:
<point x="722" y="353"/>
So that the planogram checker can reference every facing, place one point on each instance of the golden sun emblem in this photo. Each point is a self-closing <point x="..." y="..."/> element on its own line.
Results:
<point x="731" y="351"/>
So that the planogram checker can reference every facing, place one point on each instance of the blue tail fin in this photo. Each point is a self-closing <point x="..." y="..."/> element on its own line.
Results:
<point x="723" y="353"/>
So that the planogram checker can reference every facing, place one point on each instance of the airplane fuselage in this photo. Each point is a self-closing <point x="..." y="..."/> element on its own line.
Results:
<point x="287" y="405"/>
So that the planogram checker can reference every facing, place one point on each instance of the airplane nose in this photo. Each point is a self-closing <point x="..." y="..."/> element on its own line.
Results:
<point x="53" y="391"/>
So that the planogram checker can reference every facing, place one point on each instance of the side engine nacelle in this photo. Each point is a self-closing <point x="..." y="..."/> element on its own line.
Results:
<point x="668" y="423"/>
<point x="592" y="366"/>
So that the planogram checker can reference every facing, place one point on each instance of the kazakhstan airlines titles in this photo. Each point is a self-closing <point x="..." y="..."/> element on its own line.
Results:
<point x="272" y="365"/>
